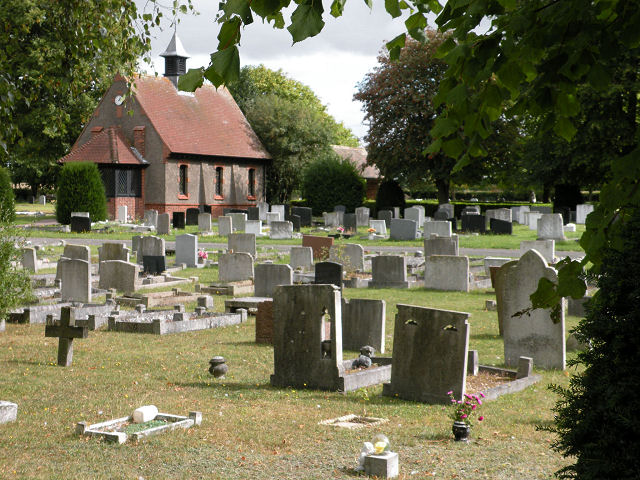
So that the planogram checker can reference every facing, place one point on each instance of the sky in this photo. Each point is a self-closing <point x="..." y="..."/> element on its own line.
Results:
<point x="332" y="63"/>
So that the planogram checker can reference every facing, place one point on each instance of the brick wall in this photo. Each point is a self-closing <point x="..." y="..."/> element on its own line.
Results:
<point x="135" y="206"/>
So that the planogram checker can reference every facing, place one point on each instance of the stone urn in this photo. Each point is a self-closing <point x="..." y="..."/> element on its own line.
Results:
<point x="218" y="367"/>
<point x="461" y="431"/>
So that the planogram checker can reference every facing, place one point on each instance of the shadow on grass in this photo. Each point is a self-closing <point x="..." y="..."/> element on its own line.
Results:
<point x="351" y="472"/>
<point x="436" y="437"/>
<point x="486" y="336"/>
<point x="222" y="383"/>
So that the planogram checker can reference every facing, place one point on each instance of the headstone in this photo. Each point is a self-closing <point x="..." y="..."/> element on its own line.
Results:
<point x="441" y="215"/>
<point x="187" y="250"/>
<point x="269" y="275"/>
<point x="75" y="277"/>
<point x="570" y="227"/>
<point x="42" y="200"/>
<point x="363" y="323"/>
<point x="225" y="226"/>
<point x="340" y="208"/>
<point x="118" y="274"/>
<point x="541" y="209"/>
<point x="295" y="221"/>
<point x="192" y="216"/>
<point x="532" y="218"/>
<point x="263" y="208"/>
<point x="8" y="412"/>
<point x="253" y="213"/>
<point x="389" y="271"/>
<point x="473" y="223"/>
<point x="436" y="245"/>
<point x="494" y="262"/>
<point x="123" y="213"/>
<point x="254" y="227"/>
<point x="437" y="227"/>
<point x="301" y="257"/>
<point x="332" y="219"/>
<point x="381" y="465"/>
<point x="362" y="216"/>
<point x="305" y="215"/>
<point x="547" y="248"/>
<point x="264" y="322"/>
<point x="204" y="222"/>
<point x="350" y="256"/>
<point x="328" y="273"/>
<point x="163" y="224"/>
<point x="234" y="267"/>
<point x="396" y="212"/>
<point x="80" y="214"/>
<point x="80" y="224"/>
<point x="179" y="220"/>
<point x="429" y="355"/>
<point x="503" y="214"/>
<point x="380" y="226"/>
<point x="387" y="216"/>
<point x="350" y="223"/>
<point x="238" y="221"/>
<point x="154" y="264"/>
<point x="273" y="217"/>
<point x="112" y="251"/>
<point x="500" y="227"/>
<point x="471" y="210"/>
<point x="152" y="246"/>
<point x="319" y="245"/>
<point x="447" y="207"/>
<point x="415" y="214"/>
<point x="29" y="259"/>
<point x="517" y="214"/>
<point x="582" y="211"/>
<point x="534" y="334"/>
<point x="281" y="230"/>
<point x="151" y="218"/>
<point x="80" y="252"/>
<point x="242" y="243"/>
<point x="279" y="209"/>
<point x="66" y="332"/>
<point x="402" y="229"/>
<point x="446" y="272"/>
<point x="550" y="227"/>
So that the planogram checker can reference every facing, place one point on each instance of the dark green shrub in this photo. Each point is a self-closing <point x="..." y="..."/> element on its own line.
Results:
<point x="597" y="415"/>
<point x="330" y="181"/>
<point x="390" y="195"/>
<point x="7" y="200"/>
<point x="80" y="189"/>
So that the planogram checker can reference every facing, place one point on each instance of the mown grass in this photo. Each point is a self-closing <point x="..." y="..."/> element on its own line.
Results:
<point x="250" y="430"/>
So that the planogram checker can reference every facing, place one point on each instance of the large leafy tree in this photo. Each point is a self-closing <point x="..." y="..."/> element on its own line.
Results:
<point x="58" y="59"/>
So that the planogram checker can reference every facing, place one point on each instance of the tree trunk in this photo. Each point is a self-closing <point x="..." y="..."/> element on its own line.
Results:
<point x="443" y="190"/>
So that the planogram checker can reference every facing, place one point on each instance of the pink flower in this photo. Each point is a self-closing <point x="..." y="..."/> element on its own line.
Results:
<point x="473" y="407"/>
<point x="479" y="402"/>
<point x="480" y="418"/>
<point x="450" y="392"/>
<point x="464" y="415"/>
<point x="482" y="394"/>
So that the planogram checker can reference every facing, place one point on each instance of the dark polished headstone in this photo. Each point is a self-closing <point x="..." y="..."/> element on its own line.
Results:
<point x="192" y="216"/>
<point x="350" y="222"/>
<point x="441" y="215"/>
<point x="178" y="220"/>
<point x="253" y="213"/>
<point x="305" y="215"/>
<point x="386" y="215"/>
<point x="500" y="227"/>
<point x="473" y="223"/>
<point x="153" y="264"/>
<point x="295" y="219"/>
<point x="328" y="273"/>
<point x="80" y="224"/>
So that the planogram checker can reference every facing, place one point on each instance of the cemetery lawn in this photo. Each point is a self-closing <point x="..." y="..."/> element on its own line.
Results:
<point x="251" y="430"/>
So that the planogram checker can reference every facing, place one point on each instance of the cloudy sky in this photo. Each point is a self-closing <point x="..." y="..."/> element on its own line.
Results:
<point x="331" y="63"/>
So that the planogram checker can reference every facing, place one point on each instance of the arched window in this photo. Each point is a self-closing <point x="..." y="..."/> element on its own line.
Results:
<point x="219" y="181"/>
<point x="252" y="182"/>
<point x="183" y="179"/>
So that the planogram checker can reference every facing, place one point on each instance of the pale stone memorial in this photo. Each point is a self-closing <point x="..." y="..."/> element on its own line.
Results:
<point x="441" y="228"/>
<point x="582" y="211"/>
<point x="118" y="274"/>
<point x="234" y="267"/>
<point x="380" y="226"/>
<point x="362" y="216"/>
<point x="204" y="222"/>
<point x="123" y="213"/>
<point x="187" y="250"/>
<point x="437" y="245"/>
<point x="389" y="271"/>
<point x="446" y="272"/>
<point x="268" y="276"/>
<point x="273" y="217"/>
<point x="75" y="278"/>
<point x="350" y="255"/>
<point x="237" y="221"/>
<point x="550" y="227"/>
<point x="281" y="230"/>
<point x="547" y="248"/>
<point x="254" y="227"/>
<point x="301" y="257"/>
<point x="225" y="226"/>
<point x="29" y="259"/>
<point x="163" y="224"/>
<point x="402" y="229"/>
<point x="242" y="243"/>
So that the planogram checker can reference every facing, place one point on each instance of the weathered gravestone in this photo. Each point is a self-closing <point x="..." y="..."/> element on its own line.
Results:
<point x="531" y="219"/>
<point x="29" y="259"/>
<point x="204" y="222"/>
<point x="380" y="226"/>
<point x="281" y="230"/>
<point x="123" y="214"/>
<point x="441" y="215"/>
<point x="350" y="255"/>
<point x="363" y="323"/>
<point x="79" y="252"/>
<point x="494" y="262"/>
<point x="387" y="216"/>
<point x="402" y="229"/>
<point x="253" y="213"/>
<point x="414" y="214"/>
<point x="447" y="272"/>
<point x="264" y="322"/>
<point x="187" y="250"/>
<point x="350" y="223"/>
<point x="473" y="223"/>
<point x="305" y="215"/>
<point x="429" y="355"/>
<point x="225" y="226"/>
<point x="547" y="248"/>
<point x="441" y="228"/>
<point x="42" y="200"/>
<point x="268" y="276"/>
<point x="254" y="227"/>
<point x="112" y="251"/>
<point x="163" y="225"/>
<point x="517" y="214"/>
<point x="151" y="218"/>
<point x="80" y="224"/>
<point x="8" y="412"/>
<point x="436" y="245"/>
<point x="152" y="252"/>
<point x="273" y="217"/>
<point x="447" y="207"/>
<point x="500" y="227"/>
<point x="301" y="257"/>
<point x="362" y="216"/>
<point x="234" y="267"/>
<point x="118" y="274"/>
<point x="328" y="273"/>
<point x="389" y="271"/>
<point x="179" y="220"/>
<point x="75" y="278"/>
<point x="66" y="331"/>
<point x="471" y="210"/>
<point x="295" y="221"/>
<point x="280" y="209"/>
<point x="550" y="227"/>
<point x="263" y="208"/>
<point x="319" y="245"/>
<point x="503" y="214"/>
<point x="238" y="221"/>
<point x="582" y="211"/>
<point x="533" y="334"/>
<point x="242" y="243"/>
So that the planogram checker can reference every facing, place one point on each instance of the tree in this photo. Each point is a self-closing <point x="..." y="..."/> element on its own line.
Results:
<point x="58" y="59"/>
<point x="7" y="200"/>
<point x="80" y="189"/>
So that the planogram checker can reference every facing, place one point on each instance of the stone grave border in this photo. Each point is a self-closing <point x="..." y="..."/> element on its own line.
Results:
<point x="353" y="421"/>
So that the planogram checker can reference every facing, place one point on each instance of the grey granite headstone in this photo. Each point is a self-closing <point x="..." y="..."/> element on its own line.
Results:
<point x="273" y="217"/>
<point x="192" y="216"/>
<point x="305" y="215"/>
<point x="446" y="272"/>
<point x="387" y="216"/>
<point x="441" y="228"/>
<point x="500" y="227"/>
<point x="402" y="229"/>
<point x="151" y="218"/>
<point x="350" y="223"/>
<point x="80" y="224"/>
<point x="388" y="271"/>
<point x="281" y="230"/>
<point x="473" y="223"/>
<point x="295" y="221"/>
<point x="379" y="225"/>
<point x="550" y="227"/>
<point x="547" y="248"/>
<point x="29" y="259"/>
<point x="118" y="274"/>
<point x="242" y="243"/>
<point x="75" y="277"/>
<point x="269" y="275"/>
<point x="362" y="216"/>
<point x="332" y="219"/>
<point x="414" y="213"/>
<point x="436" y="245"/>
<point x="503" y="214"/>
<point x="582" y="211"/>
<point x="254" y="227"/>
<point x="263" y="208"/>
<point x="154" y="264"/>
<point x="447" y="207"/>
<point x="234" y="267"/>
<point x="187" y="250"/>
<point x="204" y="222"/>
<point x="253" y="213"/>
<point x="238" y="221"/>
<point x="279" y="209"/>
<point x="225" y="226"/>
<point x="494" y="262"/>
<point x="363" y="323"/>
<point x="163" y="227"/>
<point x="301" y="257"/>
<point x="350" y="256"/>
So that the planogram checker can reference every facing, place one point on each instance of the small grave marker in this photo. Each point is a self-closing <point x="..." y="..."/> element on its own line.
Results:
<point x="66" y="332"/>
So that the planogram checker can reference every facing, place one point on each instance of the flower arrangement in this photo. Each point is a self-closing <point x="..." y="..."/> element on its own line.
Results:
<point x="340" y="229"/>
<point x="202" y="255"/>
<point x="371" y="230"/>
<point x="463" y="410"/>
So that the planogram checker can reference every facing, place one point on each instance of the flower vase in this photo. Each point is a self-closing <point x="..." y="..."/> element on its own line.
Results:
<point x="461" y="431"/>
<point x="371" y="236"/>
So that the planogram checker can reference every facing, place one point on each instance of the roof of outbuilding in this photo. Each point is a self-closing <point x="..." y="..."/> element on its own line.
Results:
<point x="357" y="156"/>
<point x="106" y="146"/>
<point x="205" y="122"/>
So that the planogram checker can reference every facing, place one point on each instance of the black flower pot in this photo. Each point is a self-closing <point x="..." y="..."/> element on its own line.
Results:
<point x="461" y="431"/>
<point x="217" y="367"/>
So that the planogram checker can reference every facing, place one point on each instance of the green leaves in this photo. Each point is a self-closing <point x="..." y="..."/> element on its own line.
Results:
<point x="191" y="80"/>
<point x="337" y="8"/>
<point x="306" y="21"/>
<point x="396" y="45"/>
<point x="393" y="8"/>
<point x="225" y="66"/>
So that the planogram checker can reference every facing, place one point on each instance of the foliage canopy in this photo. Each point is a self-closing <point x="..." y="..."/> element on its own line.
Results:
<point x="80" y="189"/>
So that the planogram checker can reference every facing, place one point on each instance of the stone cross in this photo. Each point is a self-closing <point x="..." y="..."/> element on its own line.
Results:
<point x="66" y="332"/>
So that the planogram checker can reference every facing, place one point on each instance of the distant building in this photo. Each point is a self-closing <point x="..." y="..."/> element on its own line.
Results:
<point x="162" y="149"/>
<point x="358" y="156"/>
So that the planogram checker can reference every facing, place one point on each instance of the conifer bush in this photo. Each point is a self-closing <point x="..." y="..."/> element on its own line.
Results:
<point x="7" y="199"/>
<point x="80" y="189"/>
<point x="390" y="195"/>
<point x="330" y="181"/>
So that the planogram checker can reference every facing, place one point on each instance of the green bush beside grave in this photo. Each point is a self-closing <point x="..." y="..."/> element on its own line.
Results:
<point x="7" y="200"/>
<point x="80" y="189"/>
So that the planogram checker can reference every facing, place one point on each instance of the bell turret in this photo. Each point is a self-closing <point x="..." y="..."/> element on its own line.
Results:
<point x="175" y="59"/>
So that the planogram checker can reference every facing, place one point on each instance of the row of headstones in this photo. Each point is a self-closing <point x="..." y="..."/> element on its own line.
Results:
<point x="238" y="222"/>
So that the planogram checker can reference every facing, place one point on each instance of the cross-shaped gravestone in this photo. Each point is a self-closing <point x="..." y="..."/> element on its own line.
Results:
<point x="66" y="332"/>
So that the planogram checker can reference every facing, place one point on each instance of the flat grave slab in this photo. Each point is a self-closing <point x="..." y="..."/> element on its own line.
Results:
<point x="240" y="287"/>
<point x="353" y="421"/>
<point x="157" y="299"/>
<point x="250" y="304"/>
<point x="119" y="430"/>
<point x="38" y="313"/>
<point x="164" y="322"/>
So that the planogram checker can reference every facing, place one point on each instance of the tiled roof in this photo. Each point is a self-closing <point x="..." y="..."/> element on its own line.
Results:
<point x="107" y="146"/>
<point x="357" y="156"/>
<point x="206" y="122"/>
